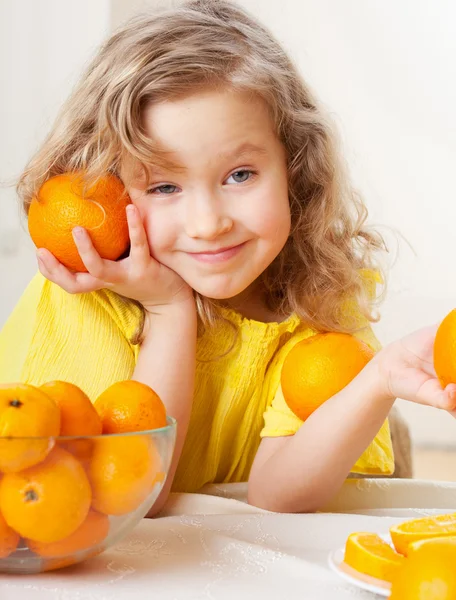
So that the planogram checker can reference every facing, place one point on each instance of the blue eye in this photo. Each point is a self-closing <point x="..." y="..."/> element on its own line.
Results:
<point x="241" y="176"/>
<point x="165" y="189"/>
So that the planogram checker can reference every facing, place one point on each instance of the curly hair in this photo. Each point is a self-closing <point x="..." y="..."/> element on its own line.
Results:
<point x="173" y="51"/>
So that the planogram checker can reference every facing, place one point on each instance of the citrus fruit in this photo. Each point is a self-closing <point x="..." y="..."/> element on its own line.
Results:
<point x="369" y="554"/>
<point x="61" y="205"/>
<point x="49" y="501"/>
<point x="78" y="417"/>
<point x="416" y="530"/>
<point x="25" y="412"/>
<point x="122" y="471"/>
<point x="319" y="367"/>
<point x="77" y="413"/>
<point x="92" y="532"/>
<point x="9" y="539"/>
<point x="436" y="541"/>
<point x="429" y="572"/>
<point x="128" y="406"/>
<point x="445" y="350"/>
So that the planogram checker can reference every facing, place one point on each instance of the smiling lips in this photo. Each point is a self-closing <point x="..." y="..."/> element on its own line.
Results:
<point x="217" y="256"/>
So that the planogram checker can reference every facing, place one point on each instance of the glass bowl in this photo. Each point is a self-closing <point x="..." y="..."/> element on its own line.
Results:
<point x="80" y="495"/>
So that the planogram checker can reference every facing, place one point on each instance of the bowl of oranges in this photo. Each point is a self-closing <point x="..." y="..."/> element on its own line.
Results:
<point x="77" y="476"/>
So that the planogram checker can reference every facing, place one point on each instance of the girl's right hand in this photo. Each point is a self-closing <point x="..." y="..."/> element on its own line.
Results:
<point x="406" y="371"/>
<point x="139" y="276"/>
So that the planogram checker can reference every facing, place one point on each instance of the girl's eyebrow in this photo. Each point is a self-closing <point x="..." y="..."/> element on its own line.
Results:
<point x="244" y="149"/>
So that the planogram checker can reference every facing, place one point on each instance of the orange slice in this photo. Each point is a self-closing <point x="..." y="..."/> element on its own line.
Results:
<point x="445" y="541"/>
<point x="416" y="530"/>
<point x="367" y="553"/>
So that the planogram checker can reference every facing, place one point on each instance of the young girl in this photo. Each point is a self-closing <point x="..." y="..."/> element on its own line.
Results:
<point x="246" y="238"/>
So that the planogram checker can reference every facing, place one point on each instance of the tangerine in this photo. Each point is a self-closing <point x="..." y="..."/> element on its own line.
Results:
<point x="445" y="350"/>
<point x="428" y="573"/>
<point x="61" y="205"/>
<point x="90" y="533"/>
<point x="9" y="539"/>
<point x="319" y="367"/>
<point x="26" y="412"/>
<point x="424" y="528"/>
<point x="47" y="502"/>
<point x="369" y="554"/>
<point x="128" y="406"/>
<point x="122" y="472"/>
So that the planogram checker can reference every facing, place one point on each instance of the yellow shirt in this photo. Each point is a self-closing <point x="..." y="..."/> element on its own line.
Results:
<point x="86" y="339"/>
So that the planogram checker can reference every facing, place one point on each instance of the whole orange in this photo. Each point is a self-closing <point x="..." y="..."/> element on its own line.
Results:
<point x="61" y="205"/>
<point x="130" y="406"/>
<point x="428" y="573"/>
<point x="25" y="412"/>
<point x="91" y="533"/>
<point x="78" y="415"/>
<point x="122" y="472"/>
<point x="9" y="539"/>
<point x="49" y="501"/>
<point x="319" y="367"/>
<point x="445" y="350"/>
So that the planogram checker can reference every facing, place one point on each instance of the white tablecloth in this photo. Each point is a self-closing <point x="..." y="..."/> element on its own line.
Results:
<point x="214" y="546"/>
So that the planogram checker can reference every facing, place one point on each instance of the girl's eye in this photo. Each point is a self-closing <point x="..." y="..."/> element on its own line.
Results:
<point x="165" y="189"/>
<point x="241" y="176"/>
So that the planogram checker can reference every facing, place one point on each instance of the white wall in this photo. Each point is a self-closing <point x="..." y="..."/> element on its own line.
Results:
<point x="43" y="47"/>
<point x="385" y="71"/>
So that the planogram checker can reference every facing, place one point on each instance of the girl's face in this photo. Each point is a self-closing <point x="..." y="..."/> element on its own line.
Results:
<point x="220" y="214"/>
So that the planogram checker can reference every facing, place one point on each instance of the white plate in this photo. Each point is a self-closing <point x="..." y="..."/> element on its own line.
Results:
<point x="365" y="582"/>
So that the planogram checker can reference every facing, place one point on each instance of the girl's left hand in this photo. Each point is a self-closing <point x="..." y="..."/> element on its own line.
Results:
<point x="406" y="369"/>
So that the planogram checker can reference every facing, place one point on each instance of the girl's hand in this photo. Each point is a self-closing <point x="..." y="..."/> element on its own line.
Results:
<point x="407" y="371"/>
<point x="139" y="276"/>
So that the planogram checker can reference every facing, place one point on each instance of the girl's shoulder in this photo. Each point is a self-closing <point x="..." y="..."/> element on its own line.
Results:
<point x="51" y="303"/>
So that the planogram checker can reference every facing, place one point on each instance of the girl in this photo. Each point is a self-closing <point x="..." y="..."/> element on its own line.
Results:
<point x="245" y="239"/>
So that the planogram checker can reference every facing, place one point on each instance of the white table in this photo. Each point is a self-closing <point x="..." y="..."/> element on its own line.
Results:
<point x="214" y="546"/>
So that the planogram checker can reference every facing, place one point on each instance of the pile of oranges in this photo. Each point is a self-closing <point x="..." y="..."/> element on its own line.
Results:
<point x="59" y="487"/>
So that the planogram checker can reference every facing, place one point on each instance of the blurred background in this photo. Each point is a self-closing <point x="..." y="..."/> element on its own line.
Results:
<point x="384" y="71"/>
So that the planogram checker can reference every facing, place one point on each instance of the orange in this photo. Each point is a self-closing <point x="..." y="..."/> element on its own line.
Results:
<point x="369" y="554"/>
<point x="416" y="530"/>
<point x="61" y="205"/>
<point x="25" y="412"/>
<point x="48" y="502"/>
<point x="445" y="350"/>
<point x="122" y="472"/>
<point x="9" y="539"/>
<point x="436" y="541"/>
<point x="428" y="574"/>
<point x="92" y="532"/>
<point x="77" y="413"/>
<point x="130" y="406"/>
<point x="78" y="417"/>
<point x="319" y="367"/>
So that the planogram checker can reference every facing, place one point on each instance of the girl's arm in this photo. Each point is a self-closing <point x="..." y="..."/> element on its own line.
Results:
<point x="301" y="473"/>
<point x="167" y="364"/>
<point x="167" y="357"/>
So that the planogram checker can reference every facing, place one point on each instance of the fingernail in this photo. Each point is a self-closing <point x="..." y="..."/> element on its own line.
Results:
<point x="40" y="256"/>
<point x="78" y="233"/>
<point x="130" y="209"/>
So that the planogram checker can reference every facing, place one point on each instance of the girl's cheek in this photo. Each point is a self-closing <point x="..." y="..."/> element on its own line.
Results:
<point x="158" y="235"/>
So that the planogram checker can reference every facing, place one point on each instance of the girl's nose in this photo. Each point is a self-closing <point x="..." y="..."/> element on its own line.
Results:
<point x="206" y="220"/>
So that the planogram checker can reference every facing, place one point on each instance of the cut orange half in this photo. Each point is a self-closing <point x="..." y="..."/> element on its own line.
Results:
<point x="367" y="553"/>
<point x="416" y="530"/>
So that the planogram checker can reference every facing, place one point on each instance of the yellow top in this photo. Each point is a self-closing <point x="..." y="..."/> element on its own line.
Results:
<point x="86" y="339"/>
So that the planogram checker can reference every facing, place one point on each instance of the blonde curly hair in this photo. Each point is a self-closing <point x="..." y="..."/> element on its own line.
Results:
<point x="171" y="52"/>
